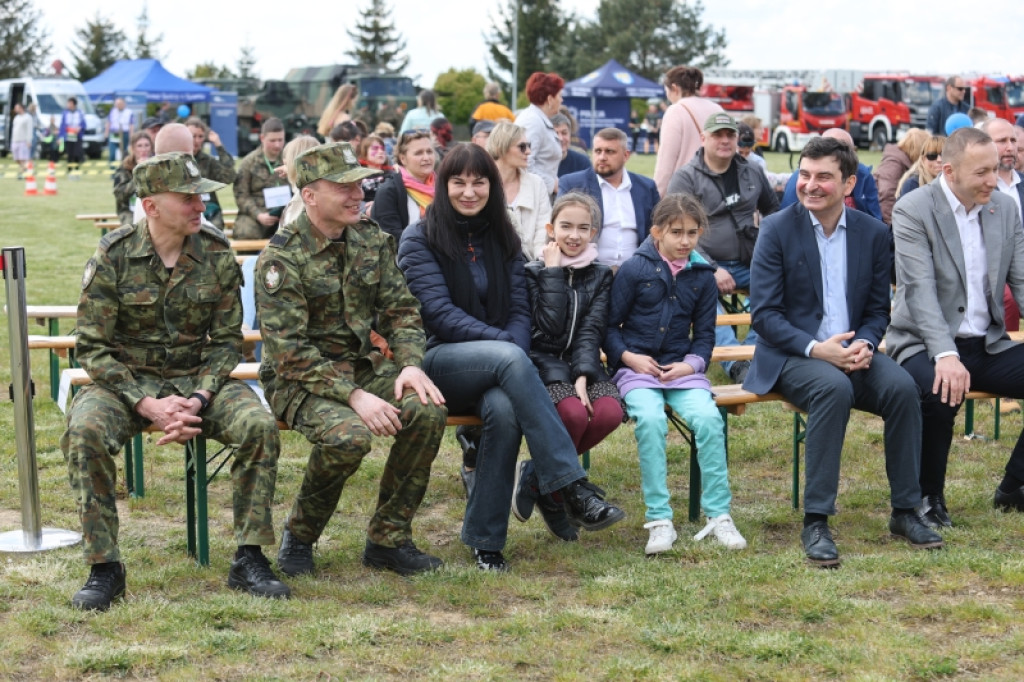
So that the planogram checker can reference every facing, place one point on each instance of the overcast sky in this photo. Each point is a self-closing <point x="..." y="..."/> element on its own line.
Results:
<point x="942" y="36"/>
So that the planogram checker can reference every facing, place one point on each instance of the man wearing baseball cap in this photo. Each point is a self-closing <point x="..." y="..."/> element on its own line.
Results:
<point x="732" y="191"/>
<point x="323" y="282"/>
<point x="159" y="332"/>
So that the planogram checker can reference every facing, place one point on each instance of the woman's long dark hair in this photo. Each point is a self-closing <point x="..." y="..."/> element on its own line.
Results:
<point x="441" y="218"/>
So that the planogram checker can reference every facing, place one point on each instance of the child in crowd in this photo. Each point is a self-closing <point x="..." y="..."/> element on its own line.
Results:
<point x="662" y="291"/>
<point x="569" y="294"/>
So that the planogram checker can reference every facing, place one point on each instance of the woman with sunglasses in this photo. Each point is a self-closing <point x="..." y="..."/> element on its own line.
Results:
<point x="544" y="91"/>
<point x="464" y="264"/>
<point x="927" y="167"/>
<point x="373" y="154"/>
<point x="525" y="194"/>
<point x="404" y="198"/>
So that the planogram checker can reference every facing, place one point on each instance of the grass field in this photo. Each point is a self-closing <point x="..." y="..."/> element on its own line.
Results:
<point x="594" y="610"/>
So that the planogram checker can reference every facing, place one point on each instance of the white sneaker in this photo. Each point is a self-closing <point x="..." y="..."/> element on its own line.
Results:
<point x="662" y="536"/>
<point x="725" y="532"/>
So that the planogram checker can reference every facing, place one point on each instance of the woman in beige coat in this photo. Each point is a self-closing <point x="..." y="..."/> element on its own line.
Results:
<point x="525" y="193"/>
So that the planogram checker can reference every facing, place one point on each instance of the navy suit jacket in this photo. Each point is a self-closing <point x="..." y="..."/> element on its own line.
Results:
<point x="786" y="298"/>
<point x="643" y="191"/>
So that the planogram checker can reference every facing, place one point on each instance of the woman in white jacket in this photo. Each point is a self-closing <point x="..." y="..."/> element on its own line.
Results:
<point x="525" y="193"/>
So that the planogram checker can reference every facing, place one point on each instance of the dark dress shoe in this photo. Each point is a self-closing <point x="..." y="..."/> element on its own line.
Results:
<point x="933" y="512"/>
<point x="585" y="506"/>
<point x="1012" y="501"/>
<point x="818" y="545"/>
<point x="910" y="528"/>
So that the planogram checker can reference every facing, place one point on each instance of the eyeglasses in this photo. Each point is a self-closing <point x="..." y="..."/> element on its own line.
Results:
<point x="961" y="88"/>
<point x="523" y="147"/>
<point x="934" y="156"/>
<point x="745" y="142"/>
<point x="415" y="133"/>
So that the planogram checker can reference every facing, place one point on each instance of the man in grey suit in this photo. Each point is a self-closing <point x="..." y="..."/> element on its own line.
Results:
<point x="819" y="295"/>
<point x="958" y="243"/>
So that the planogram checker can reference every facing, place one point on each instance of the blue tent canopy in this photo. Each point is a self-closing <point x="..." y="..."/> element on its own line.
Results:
<point x="613" y="80"/>
<point x="148" y="76"/>
<point x="601" y="98"/>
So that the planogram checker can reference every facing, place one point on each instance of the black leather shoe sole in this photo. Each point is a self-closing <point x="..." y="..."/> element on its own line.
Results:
<point x="614" y="516"/>
<point x="922" y="545"/>
<point x="825" y="563"/>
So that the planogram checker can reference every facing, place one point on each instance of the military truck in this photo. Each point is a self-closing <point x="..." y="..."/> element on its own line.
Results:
<point x="300" y="98"/>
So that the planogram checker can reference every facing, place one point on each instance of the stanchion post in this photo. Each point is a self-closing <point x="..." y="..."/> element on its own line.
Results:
<point x="32" y="537"/>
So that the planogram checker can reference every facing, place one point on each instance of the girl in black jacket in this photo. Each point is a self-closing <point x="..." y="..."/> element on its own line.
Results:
<point x="569" y="294"/>
<point x="569" y="297"/>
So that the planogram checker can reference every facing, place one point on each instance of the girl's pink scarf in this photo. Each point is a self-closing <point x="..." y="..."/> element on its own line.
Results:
<point x="586" y="257"/>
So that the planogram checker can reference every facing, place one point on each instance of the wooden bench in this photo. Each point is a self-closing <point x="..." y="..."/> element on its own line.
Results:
<point x="249" y="245"/>
<point x="110" y="221"/>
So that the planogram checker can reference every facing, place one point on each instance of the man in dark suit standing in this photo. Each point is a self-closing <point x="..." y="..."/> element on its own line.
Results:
<point x="958" y="243"/>
<point x="626" y="199"/>
<point x="819" y="294"/>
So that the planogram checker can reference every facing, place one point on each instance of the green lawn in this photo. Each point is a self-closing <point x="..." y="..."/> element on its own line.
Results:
<point x="595" y="610"/>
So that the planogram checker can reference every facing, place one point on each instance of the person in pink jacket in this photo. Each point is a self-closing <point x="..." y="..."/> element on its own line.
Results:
<point x="681" y="125"/>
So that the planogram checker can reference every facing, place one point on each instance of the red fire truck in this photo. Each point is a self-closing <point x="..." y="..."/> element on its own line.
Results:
<point x="732" y="97"/>
<point x="1003" y="96"/>
<point x="878" y="112"/>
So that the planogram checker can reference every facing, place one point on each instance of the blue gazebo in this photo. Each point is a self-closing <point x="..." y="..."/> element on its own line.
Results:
<point x="148" y="76"/>
<point x="601" y="98"/>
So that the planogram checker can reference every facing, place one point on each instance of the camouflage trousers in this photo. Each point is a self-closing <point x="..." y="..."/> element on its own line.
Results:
<point x="99" y="424"/>
<point x="341" y="440"/>
<point x="247" y="227"/>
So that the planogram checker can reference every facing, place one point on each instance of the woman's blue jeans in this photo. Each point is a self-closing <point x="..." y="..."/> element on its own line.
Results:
<point x="497" y="381"/>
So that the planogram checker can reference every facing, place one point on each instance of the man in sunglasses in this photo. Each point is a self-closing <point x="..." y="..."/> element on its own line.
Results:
<point x="954" y="102"/>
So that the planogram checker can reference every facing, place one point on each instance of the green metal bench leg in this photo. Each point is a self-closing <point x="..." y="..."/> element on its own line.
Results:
<point x="54" y="330"/>
<point x="798" y="437"/>
<point x="196" y="502"/>
<point x="190" y="498"/>
<point x="695" y="489"/>
<point x="999" y="414"/>
<point x="969" y="418"/>
<point x="133" y="471"/>
<point x="586" y="461"/>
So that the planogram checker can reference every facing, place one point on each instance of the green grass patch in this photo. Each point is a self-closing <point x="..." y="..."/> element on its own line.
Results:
<point x="594" y="610"/>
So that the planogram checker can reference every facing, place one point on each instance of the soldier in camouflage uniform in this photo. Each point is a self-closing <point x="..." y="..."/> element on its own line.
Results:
<point x="321" y="283"/>
<point x="159" y="331"/>
<point x="259" y="170"/>
<point x="220" y="169"/>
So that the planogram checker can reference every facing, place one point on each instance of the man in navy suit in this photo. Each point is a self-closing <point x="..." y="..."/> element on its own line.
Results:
<point x="626" y="199"/>
<point x="819" y="294"/>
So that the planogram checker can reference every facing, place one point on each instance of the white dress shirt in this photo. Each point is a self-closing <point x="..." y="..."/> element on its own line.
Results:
<point x="976" y="318"/>
<point x="618" y="238"/>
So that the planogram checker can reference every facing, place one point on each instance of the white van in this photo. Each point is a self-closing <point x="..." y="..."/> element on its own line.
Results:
<point x="50" y="96"/>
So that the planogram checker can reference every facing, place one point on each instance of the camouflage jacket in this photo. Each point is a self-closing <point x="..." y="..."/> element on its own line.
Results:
<point x="140" y="327"/>
<point x="317" y="302"/>
<point x="221" y="169"/>
<point x="253" y="177"/>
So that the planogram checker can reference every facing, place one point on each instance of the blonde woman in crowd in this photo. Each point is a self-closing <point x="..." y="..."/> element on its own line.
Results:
<point x="525" y="194"/>
<point x="927" y="167"/>
<point x="338" y="109"/>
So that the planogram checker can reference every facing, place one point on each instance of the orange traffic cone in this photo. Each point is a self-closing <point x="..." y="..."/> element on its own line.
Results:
<point x="30" y="181"/>
<point x="50" y="188"/>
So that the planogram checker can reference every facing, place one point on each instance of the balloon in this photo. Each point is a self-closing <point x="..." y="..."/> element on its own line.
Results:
<point x="957" y="121"/>
<point x="183" y="111"/>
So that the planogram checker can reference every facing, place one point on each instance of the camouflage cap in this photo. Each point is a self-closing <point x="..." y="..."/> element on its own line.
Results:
<point x="171" y="172"/>
<point x="335" y="162"/>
